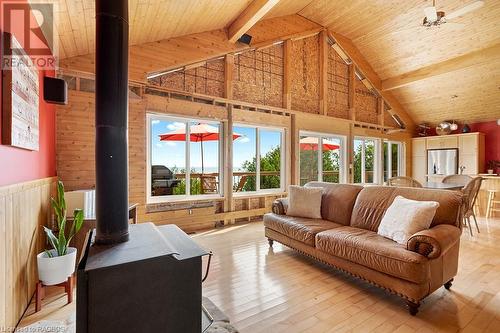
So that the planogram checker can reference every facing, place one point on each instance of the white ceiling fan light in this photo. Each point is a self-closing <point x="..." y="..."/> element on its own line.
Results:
<point x="431" y="14"/>
<point x="434" y="17"/>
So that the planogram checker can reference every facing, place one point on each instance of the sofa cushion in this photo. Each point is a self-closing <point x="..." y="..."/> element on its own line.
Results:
<point x="406" y="217"/>
<point x="299" y="228"/>
<point x="373" y="201"/>
<point x="369" y="249"/>
<point x="337" y="201"/>
<point x="304" y="201"/>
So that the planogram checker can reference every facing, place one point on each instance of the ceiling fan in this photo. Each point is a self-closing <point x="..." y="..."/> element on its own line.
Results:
<point x="433" y="17"/>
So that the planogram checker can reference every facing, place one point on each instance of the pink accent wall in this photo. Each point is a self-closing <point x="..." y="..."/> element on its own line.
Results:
<point x="20" y="165"/>
<point x="492" y="140"/>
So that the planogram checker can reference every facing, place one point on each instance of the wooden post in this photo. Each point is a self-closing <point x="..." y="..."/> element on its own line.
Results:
<point x="323" y="73"/>
<point x="352" y="91"/>
<point x="228" y="76"/>
<point x="294" y="158"/>
<point x="350" y="155"/>
<point x="380" y="110"/>
<point x="287" y="51"/>
<point x="228" y="164"/>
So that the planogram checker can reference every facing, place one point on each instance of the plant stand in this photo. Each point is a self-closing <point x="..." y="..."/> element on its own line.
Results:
<point x="40" y="291"/>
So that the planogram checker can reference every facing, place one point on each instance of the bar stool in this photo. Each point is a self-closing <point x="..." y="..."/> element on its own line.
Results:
<point x="491" y="203"/>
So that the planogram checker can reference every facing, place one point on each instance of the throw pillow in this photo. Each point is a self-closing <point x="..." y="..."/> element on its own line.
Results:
<point x="405" y="217"/>
<point x="304" y="201"/>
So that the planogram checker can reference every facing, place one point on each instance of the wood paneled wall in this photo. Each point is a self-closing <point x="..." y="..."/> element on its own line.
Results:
<point x="24" y="208"/>
<point x="304" y="74"/>
<point x="338" y="86"/>
<point x="207" y="78"/>
<point x="258" y="76"/>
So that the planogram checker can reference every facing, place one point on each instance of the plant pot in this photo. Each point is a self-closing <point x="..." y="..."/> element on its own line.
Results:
<point x="56" y="269"/>
<point x="490" y="171"/>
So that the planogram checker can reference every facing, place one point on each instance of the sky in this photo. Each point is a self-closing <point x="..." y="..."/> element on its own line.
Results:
<point x="172" y="153"/>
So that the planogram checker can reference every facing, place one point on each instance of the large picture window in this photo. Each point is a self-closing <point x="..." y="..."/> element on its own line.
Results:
<point x="393" y="159"/>
<point x="366" y="160"/>
<point x="183" y="157"/>
<point x="258" y="159"/>
<point x="321" y="158"/>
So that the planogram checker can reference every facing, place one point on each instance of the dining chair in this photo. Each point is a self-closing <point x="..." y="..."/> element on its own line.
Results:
<point x="471" y="191"/>
<point x="403" y="181"/>
<point x="457" y="179"/>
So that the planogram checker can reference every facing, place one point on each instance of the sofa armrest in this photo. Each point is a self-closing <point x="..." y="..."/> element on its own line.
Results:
<point x="434" y="241"/>
<point x="280" y="206"/>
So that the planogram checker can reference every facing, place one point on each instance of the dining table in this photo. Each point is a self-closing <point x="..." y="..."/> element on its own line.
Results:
<point x="443" y="186"/>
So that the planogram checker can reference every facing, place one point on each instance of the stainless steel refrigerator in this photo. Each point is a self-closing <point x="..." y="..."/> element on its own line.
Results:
<point x="442" y="161"/>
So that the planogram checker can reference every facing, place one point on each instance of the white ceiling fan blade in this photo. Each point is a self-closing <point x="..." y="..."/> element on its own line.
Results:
<point x="464" y="10"/>
<point x="431" y="14"/>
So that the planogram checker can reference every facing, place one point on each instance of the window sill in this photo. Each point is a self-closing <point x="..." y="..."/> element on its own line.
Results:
<point x="184" y="199"/>
<point x="243" y="195"/>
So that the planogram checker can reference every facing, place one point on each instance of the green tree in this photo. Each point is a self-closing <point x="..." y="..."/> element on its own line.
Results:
<point x="369" y="158"/>
<point x="309" y="166"/>
<point x="271" y="161"/>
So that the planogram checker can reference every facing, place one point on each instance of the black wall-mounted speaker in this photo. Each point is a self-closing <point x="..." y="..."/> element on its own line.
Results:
<point x="245" y="39"/>
<point x="55" y="90"/>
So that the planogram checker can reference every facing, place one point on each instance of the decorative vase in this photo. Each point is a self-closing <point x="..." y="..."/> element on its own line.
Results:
<point x="466" y="129"/>
<point x="490" y="171"/>
<point x="56" y="269"/>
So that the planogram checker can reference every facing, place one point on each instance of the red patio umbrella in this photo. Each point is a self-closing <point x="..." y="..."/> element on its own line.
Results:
<point x="311" y="143"/>
<point x="197" y="133"/>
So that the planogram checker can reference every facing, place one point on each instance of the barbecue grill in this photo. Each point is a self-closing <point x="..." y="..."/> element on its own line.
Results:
<point x="162" y="180"/>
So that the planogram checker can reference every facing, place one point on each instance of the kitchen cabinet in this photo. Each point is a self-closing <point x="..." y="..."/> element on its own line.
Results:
<point x="470" y="153"/>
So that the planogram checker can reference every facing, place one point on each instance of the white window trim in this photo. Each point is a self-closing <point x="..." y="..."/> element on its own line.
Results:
<point x="377" y="155"/>
<point x="283" y="166"/>
<point x="150" y="116"/>
<point x="343" y="152"/>
<point x="401" y="158"/>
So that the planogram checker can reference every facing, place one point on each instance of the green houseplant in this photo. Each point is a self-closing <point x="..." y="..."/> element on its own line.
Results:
<point x="57" y="264"/>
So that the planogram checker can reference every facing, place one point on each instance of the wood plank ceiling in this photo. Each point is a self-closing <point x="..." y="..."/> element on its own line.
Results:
<point x="388" y="34"/>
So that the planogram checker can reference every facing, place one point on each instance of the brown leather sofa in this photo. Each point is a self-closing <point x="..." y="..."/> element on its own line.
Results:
<point x="346" y="238"/>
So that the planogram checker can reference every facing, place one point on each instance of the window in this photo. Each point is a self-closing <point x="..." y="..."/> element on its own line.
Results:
<point x="393" y="159"/>
<point x="183" y="157"/>
<point x="258" y="159"/>
<point x="321" y="158"/>
<point x="366" y="160"/>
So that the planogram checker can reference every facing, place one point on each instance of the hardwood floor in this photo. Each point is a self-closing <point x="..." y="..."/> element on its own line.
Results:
<point x="278" y="290"/>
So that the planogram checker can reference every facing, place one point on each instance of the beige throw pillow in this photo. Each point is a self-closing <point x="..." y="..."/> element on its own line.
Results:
<point x="405" y="217"/>
<point x="304" y="201"/>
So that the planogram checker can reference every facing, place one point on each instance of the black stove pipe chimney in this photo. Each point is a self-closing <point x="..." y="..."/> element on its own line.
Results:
<point x="111" y="119"/>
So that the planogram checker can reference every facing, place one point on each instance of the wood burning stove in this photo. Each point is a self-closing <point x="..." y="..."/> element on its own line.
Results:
<point x="142" y="279"/>
<point x="152" y="283"/>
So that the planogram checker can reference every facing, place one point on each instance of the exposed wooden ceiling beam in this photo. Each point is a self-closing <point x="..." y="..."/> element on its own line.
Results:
<point x="251" y="15"/>
<point x="451" y="65"/>
<point x="364" y="67"/>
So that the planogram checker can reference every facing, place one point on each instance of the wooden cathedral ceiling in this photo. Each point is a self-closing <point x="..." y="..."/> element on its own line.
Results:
<point x="386" y="32"/>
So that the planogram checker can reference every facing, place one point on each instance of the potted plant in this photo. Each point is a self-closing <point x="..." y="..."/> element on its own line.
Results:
<point x="491" y="166"/>
<point x="57" y="264"/>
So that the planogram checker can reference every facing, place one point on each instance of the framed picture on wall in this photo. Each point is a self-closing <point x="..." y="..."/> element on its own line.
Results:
<point x="20" y="97"/>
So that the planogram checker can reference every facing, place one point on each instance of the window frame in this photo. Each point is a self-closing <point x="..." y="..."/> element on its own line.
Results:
<point x="401" y="158"/>
<point x="283" y="165"/>
<point x="343" y="153"/>
<point x="150" y="116"/>
<point x="377" y="163"/>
